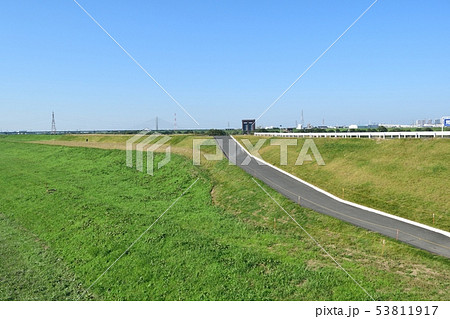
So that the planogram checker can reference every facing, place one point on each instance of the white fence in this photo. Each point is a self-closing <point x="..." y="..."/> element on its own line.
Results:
<point x="362" y="134"/>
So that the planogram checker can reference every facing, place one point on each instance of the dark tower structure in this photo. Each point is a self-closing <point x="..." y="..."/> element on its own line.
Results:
<point x="248" y="126"/>
<point x="53" y="123"/>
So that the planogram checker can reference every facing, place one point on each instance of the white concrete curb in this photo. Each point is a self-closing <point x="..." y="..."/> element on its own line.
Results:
<point x="436" y="230"/>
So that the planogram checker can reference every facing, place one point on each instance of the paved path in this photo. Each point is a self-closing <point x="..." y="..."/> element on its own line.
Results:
<point x="415" y="234"/>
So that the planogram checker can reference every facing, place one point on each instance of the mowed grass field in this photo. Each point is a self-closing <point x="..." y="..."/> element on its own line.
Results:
<point x="403" y="177"/>
<point x="224" y="240"/>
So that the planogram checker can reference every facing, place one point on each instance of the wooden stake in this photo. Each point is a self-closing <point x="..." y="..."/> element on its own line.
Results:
<point x="274" y="223"/>
<point x="299" y="200"/>
<point x="433" y="218"/>
<point x="382" y="249"/>
<point x="342" y="192"/>
<point x="397" y="235"/>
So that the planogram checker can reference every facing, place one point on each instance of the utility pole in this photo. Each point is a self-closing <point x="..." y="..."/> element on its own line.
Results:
<point x="174" y="121"/>
<point x="53" y="123"/>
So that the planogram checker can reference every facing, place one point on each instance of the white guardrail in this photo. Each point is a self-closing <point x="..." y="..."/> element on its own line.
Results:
<point x="361" y="134"/>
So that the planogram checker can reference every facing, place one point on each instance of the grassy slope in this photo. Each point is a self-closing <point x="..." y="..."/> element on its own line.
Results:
<point x="230" y="250"/>
<point x="406" y="178"/>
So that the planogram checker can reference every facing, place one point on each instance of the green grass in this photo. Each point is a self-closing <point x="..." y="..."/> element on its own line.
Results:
<point x="404" y="177"/>
<point x="225" y="240"/>
<point x="30" y="270"/>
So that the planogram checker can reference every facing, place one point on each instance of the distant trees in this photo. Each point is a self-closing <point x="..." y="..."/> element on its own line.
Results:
<point x="215" y="132"/>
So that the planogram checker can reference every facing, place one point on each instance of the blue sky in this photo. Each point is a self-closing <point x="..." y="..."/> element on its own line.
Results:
<point x="223" y="61"/>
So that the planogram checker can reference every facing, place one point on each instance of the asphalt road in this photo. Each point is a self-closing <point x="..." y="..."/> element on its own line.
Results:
<point x="309" y="197"/>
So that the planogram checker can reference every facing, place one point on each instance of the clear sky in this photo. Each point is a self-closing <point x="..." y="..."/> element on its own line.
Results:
<point x="223" y="61"/>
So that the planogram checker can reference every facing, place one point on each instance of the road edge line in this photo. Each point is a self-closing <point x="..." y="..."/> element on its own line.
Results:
<point x="408" y="221"/>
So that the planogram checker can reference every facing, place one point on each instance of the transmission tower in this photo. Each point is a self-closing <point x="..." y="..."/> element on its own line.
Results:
<point x="53" y="123"/>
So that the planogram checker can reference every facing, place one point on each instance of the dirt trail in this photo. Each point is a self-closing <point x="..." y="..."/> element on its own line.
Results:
<point x="113" y="146"/>
<point x="109" y="146"/>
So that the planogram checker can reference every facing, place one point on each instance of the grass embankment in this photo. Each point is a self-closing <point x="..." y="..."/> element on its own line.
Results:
<point x="225" y="240"/>
<point x="403" y="177"/>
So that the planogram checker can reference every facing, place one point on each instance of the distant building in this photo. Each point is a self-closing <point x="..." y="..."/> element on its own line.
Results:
<point x="353" y="127"/>
<point x="420" y="122"/>
<point x="248" y="126"/>
<point x="429" y="122"/>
